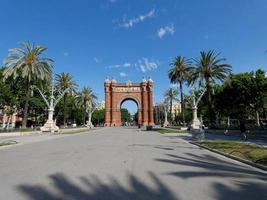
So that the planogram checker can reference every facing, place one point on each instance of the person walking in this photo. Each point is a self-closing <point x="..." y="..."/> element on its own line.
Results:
<point x="243" y="130"/>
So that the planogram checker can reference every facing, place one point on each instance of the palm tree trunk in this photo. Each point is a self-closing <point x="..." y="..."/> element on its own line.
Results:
<point x="171" y="108"/>
<point x="64" y="110"/>
<point x="90" y="119"/>
<point x="257" y="118"/>
<point x="26" y="106"/>
<point x="84" y="116"/>
<point x="210" y="104"/>
<point x="182" y="102"/>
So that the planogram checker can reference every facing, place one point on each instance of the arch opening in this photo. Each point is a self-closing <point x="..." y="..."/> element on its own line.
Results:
<point x="129" y="112"/>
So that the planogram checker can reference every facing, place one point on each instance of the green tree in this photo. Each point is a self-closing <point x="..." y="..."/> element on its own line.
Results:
<point x="243" y="96"/>
<point x="26" y="62"/>
<point x="86" y="100"/>
<point x="7" y="97"/>
<point x="209" y="69"/>
<point x="98" y="116"/>
<point x="259" y="93"/>
<point x="179" y="74"/>
<point x="125" y="116"/>
<point x="171" y="95"/>
<point x="63" y="82"/>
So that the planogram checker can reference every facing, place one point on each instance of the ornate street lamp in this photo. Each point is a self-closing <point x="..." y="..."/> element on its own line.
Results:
<point x="51" y="102"/>
<point x="165" y="108"/>
<point x="194" y="105"/>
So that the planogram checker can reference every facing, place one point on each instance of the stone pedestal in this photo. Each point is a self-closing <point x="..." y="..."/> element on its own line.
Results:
<point x="196" y="124"/>
<point x="50" y="126"/>
<point x="89" y="125"/>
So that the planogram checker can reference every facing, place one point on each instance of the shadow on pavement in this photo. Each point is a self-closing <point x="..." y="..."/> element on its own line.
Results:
<point x="244" y="191"/>
<point x="66" y="189"/>
<point x="210" y="165"/>
<point x="250" y="184"/>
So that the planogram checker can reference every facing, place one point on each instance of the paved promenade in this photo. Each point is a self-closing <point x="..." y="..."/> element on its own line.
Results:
<point x="123" y="163"/>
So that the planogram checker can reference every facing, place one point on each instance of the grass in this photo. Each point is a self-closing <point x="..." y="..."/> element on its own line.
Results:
<point x="7" y="143"/>
<point x="163" y="131"/>
<point x="252" y="153"/>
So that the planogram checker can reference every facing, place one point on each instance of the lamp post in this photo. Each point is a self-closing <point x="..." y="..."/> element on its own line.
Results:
<point x="51" y="102"/>
<point x="165" y="107"/>
<point x="90" y="110"/>
<point x="194" y="104"/>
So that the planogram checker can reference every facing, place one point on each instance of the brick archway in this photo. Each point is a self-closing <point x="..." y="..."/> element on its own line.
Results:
<point x="117" y="93"/>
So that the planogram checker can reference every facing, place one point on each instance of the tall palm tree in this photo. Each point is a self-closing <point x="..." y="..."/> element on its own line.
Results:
<point x="27" y="63"/>
<point x="63" y="82"/>
<point x="86" y="99"/>
<point x="209" y="68"/>
<point x="171" y="95"/>
<point x="179" y="74"/>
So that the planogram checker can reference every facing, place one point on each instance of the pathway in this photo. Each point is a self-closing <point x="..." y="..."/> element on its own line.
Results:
<point x="124" y="163"/>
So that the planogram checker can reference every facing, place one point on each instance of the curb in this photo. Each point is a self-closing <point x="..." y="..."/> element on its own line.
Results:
<point x="259" y="166"/>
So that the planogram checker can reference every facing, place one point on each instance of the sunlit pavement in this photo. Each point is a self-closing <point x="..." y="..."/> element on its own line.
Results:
<point x="124" y="163"/>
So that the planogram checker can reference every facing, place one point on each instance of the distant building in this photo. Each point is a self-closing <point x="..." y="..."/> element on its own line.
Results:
<point x="159" y="111"/>
<point x="101" y="105"/>
<point x="176" y="109"/>
<point x="8" y="120"/>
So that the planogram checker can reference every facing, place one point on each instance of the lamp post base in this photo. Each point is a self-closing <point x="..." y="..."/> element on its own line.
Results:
<point x="196" y="124"/>
<point x="166" y="123"/>
<point x="196" y="130"/>
<point x="90" y="125"/>
<point x="50" y="126"/>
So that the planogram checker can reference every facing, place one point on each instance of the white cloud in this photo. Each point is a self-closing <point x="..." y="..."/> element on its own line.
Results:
<point x="131" y="22"/>
<point x="146" y="65"/>
<point x="142" y="68"/>
<point x="169" y="29"/>
<point x="122" y="74"/>
<point x="113" y="66"/>
<point x="127" y="65"/>
<point x="97" y="60"/>
<point x="66" y="54"/>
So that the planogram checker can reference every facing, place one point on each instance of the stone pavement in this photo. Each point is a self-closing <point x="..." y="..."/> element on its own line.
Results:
<point x="124" y="163"/>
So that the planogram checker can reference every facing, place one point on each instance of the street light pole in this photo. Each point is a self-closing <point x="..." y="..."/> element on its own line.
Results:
<point x="165" y="107"/>
<point x="51" y="102"/>
<point x="194" y="104"/>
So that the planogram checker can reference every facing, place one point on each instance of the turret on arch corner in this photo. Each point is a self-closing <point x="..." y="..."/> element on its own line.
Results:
<point x="117" y="93"/>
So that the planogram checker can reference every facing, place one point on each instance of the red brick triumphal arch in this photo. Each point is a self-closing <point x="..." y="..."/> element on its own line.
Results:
<point x="117" y="93"/>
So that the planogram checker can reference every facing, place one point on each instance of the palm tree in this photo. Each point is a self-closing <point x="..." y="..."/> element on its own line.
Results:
<point x="86" y="99"/>
<point x="170" y="96"/>
<point x="27" y="63"/>
<point x="63" y="82"/>
<point x="179" y="73"/>
<point x="209" y="69"/>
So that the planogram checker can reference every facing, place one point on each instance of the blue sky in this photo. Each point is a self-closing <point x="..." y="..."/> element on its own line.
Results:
<point x="130" y="39"/>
